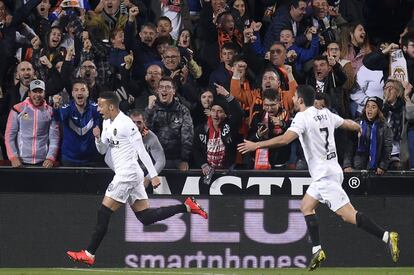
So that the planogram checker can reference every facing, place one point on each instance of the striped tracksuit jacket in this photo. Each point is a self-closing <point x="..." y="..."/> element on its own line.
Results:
<point x="31" y="133"/>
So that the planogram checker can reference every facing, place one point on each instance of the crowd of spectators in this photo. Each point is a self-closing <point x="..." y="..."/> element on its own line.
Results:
<point x="199" y="76"/>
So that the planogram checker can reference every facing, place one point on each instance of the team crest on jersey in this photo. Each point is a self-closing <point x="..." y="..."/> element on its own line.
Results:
<point x="115" y="131"/>
<point x="25" y="116"/>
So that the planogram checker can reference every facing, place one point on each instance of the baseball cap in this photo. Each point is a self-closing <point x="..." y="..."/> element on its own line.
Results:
<point x="377" y="100"/>
<point x="37" y="84"/>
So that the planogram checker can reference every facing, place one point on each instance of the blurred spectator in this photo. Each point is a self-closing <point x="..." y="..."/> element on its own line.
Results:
<point x="88" y="72"/>
<point x="393" y="110"/>
<point x="409" y="116"/>
<point x="328" y="78"/>
<point x="171" y="122"/>
<point x="202" y="110"/>
<point x="9" y="23"/>
<point x="151" y="143"/>
<point x="369" y="83"/>
<point x="242" y="19"/>
<point x="143" y="48"/>
<point x="45" y="58"/>
<point x="296" y="55"/>
<point x="354" y="44"/>
<point x="177" y="12"/>
<point x="215" y="141"/>
<point x="223" y="73"/>
<point x="372" y="149"/>
<point x="117" y="51"/>
<point x="32" y="135"/>
<point x="270" y="122"/>
<point x="177" y="69"/>
<point x="287" y="17"/>
<point x="109" y="16"/>
<point x="327" y="22"/>
<point x="243" y="88"/>
<point x="164" y="29"/>
<point x="333" y="49"/>
<point x="148" y="87"/>
<point x="380" y="60"/>
<point x="78" y="118"/>
<point x="208" y="33"/>
<point x="227" y="31"/>
<point x="184" y="44"/>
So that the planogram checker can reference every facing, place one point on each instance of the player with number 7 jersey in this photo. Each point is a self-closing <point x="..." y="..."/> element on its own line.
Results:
<point x="315" y="129"/>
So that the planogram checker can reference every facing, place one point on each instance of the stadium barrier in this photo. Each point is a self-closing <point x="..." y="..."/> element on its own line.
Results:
<point x="44" y="212"/>
<point x="236" y="182"/>
<point x="242" y="231"/>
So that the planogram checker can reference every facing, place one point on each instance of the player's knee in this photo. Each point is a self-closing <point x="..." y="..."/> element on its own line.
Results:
<point x="306" y="210"/>
<point x="349" y="218"/>
<point x="144" y="217"/>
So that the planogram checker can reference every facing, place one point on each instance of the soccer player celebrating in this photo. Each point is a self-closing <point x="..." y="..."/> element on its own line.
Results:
<point x="122" y="143"/>
<point x="315" y="129"/>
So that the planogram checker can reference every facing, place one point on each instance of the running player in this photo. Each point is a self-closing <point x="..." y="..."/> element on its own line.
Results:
<point x="122" y="142"/>
<point x="315" y="129"/>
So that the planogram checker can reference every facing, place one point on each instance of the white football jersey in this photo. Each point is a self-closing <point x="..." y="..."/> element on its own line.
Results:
<point x="121" y="141"/>
<point x="315" y="129"/>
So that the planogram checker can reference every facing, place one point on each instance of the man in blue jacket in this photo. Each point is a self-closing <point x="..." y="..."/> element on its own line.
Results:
<point x="78" y="118"/>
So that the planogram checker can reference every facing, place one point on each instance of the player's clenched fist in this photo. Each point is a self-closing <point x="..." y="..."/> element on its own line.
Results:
<point x="155" y="182"/>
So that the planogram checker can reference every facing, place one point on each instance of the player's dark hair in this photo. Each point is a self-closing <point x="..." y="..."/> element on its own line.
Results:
<point x="112" y="97"/>
<point x="307" y="93"/>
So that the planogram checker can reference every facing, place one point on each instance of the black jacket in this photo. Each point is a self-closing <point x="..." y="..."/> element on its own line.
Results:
<point x="333" y="89"/>
<point x="229" y="135"/>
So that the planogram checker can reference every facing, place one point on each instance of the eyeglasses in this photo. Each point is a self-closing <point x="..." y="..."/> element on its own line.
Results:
<point x="167" y="88"/>
<point x="278" y="51"/>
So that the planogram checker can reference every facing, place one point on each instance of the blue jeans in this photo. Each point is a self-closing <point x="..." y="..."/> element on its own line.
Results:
<point x="410" y="140"/>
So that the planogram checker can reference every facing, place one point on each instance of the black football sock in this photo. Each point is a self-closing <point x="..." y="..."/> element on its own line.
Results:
<point x="313" y="228"/>
<point x="101" y="227"/>
<point x="369" y="225"/>
<point x="151" y="215"/>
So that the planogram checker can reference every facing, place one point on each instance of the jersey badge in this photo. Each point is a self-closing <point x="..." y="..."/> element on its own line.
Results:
<point x="25" y="116"/>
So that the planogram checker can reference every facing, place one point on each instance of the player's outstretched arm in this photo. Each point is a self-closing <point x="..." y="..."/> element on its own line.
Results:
<point x="351" y="126"/>
<point x="279" y="141"/>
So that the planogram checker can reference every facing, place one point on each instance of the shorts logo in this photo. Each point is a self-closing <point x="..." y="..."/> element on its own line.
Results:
<point x="110" y="187"/>
<point x="354" y="182"/>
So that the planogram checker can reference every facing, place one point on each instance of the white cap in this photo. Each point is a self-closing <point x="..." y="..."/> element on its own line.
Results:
<point x="37" y="84"/>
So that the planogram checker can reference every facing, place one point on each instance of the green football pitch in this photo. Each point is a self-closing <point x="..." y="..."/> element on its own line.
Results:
<point x="193" y="271"/>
